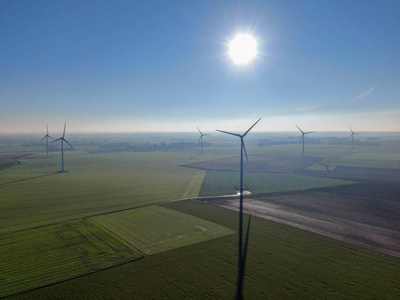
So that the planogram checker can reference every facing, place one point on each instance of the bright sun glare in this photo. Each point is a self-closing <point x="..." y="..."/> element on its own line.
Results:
<point x="242" y="49"/>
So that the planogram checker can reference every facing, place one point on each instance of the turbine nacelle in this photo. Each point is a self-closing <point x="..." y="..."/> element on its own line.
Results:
<point x="241" y="136"/>
<point x="62" y="139"/>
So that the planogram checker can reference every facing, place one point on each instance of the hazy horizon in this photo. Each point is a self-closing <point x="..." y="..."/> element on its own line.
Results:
<point x="164" y="66"/>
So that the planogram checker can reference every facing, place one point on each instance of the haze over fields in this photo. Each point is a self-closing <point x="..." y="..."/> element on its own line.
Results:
<point x="115" y="184"/>
<point x="133" y="66"/>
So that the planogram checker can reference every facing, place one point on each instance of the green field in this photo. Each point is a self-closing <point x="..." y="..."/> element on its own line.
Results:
<point x="283" y="263"/>
<point x="33" y="194"/>
<point x="42" y="256"/>
<point x="218" y="183"/>
<point x="156" y="229"/>
<point x="73" y="227"/>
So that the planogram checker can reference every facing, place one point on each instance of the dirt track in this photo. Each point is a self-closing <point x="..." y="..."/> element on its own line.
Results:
<point x="368" y="221"/>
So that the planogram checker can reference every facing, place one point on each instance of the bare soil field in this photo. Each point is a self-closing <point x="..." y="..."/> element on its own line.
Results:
<point x="279" y="164"/>
<point x="360" y="174"/>
<point x="363" y="214"/>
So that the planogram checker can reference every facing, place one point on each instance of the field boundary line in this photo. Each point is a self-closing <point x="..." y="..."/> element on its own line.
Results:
<point x="191" y="183"/>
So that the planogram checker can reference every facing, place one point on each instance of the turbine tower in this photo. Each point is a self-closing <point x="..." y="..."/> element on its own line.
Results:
<point x="302" y="136"/>
<point x="201" y="139"/>
<point x="47" y="141"/>
<point x="62" y="139"/>
<point x="242" y="248"/>
<point x="352" y="137"/>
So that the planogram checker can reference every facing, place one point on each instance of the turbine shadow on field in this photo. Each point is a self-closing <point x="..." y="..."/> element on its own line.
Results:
<point x="26" y="179"/>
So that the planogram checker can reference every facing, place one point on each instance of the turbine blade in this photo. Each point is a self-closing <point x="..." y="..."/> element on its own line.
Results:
<point x="199" y="140"/>
<point x="251" y="127"/>
<point x="300" y="129"/>
<point x="199" y="130"/>
<point x="309" y="132"/>
<point x="56" y="140"/>
<point x="43" y="138"/>
<point x="244" y="148"/>
<point x="65" y="125"/>
<point x="351" y="130"/>
<point x="50" y="137"/>
<point x="47" y="125"/>
<point x="301" y="138"/>
<point x="235" y="134"/>
<point x="69" y="144"/>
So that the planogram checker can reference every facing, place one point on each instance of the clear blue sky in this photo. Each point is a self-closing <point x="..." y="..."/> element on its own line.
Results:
<point x="121" y="66"/>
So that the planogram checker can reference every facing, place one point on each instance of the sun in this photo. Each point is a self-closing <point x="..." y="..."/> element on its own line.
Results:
<point x="242" y="49"/>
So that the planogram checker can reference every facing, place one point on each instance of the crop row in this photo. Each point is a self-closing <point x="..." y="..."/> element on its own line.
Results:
<point x="50" y="254"/>
<point x="156" y="229"/>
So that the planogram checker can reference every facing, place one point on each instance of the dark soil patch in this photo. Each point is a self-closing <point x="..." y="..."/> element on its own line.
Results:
<point x="363" y="214"/>
<point x="360" y="174"/>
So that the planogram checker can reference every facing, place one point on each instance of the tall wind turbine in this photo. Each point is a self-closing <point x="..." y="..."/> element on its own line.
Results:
<point x="352" y="137"/>
<point x="302" y="136"/>
<point x="201" y="139"/>
<point x="242" y="248"/>
<point x="47" y="141"/>
<point x="62" y="139"/>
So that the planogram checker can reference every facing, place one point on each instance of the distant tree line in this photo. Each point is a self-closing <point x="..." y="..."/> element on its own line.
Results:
<point x="313" y="140"/>
<point x="148" y="147"/>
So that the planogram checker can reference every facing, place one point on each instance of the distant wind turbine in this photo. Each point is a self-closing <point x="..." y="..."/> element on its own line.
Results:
<point x="302" y="136"/>
<point x="62" y="139"/>
<point x="352" y="137"/>
<point x="242" y="249"/>
<point x="201" y="139"/>
<point x="47" y="141"/>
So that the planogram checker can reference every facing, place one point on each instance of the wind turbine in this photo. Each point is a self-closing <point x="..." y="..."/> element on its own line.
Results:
<point x="242" y="248"/>
<point x="62" y="139"/>
<point x="47" y="141"/>
<point x="201" y="139"/>
<point x="352" y="137"/>
<point x="302" y="136"/>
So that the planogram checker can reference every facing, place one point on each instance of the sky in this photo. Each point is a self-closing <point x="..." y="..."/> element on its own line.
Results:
<point x="159" y="66"/>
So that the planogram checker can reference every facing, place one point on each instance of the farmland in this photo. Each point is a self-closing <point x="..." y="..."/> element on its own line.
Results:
<point x="35" y="194"/>
<point x="55" y="253"/>
<point x="115" y="225"/>
<point x="218" y="183"/>
<point x="143" y="228"/>
<point x="284" y="262"/>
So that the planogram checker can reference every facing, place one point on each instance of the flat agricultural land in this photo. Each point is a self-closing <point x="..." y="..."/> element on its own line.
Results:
<point x="217" y="183"/>
<point x="283" y="262"/>
<point x="146" y="230"/>
<point x="114" y="229"/>
<point x="43" y="256"/>
<point x="345" y="213"/>
<point x="35" y="193"/>
<point x="258" y="163"/>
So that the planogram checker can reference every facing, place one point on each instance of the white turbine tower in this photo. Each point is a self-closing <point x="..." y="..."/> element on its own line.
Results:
<point x="302" y="136"/>
<point x="47" y="141"/>
<point x="242" y="248"/>
<point x="201" y="139"/>
<point x="62" y="139"/>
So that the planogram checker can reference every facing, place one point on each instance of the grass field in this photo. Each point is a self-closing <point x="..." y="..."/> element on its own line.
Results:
<point x="38" y="257"/>
<point x="33" y="194"/>
<point x="156" y="229"/>
<point x="283" y="263"/>
<point x="218" y="183"/>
